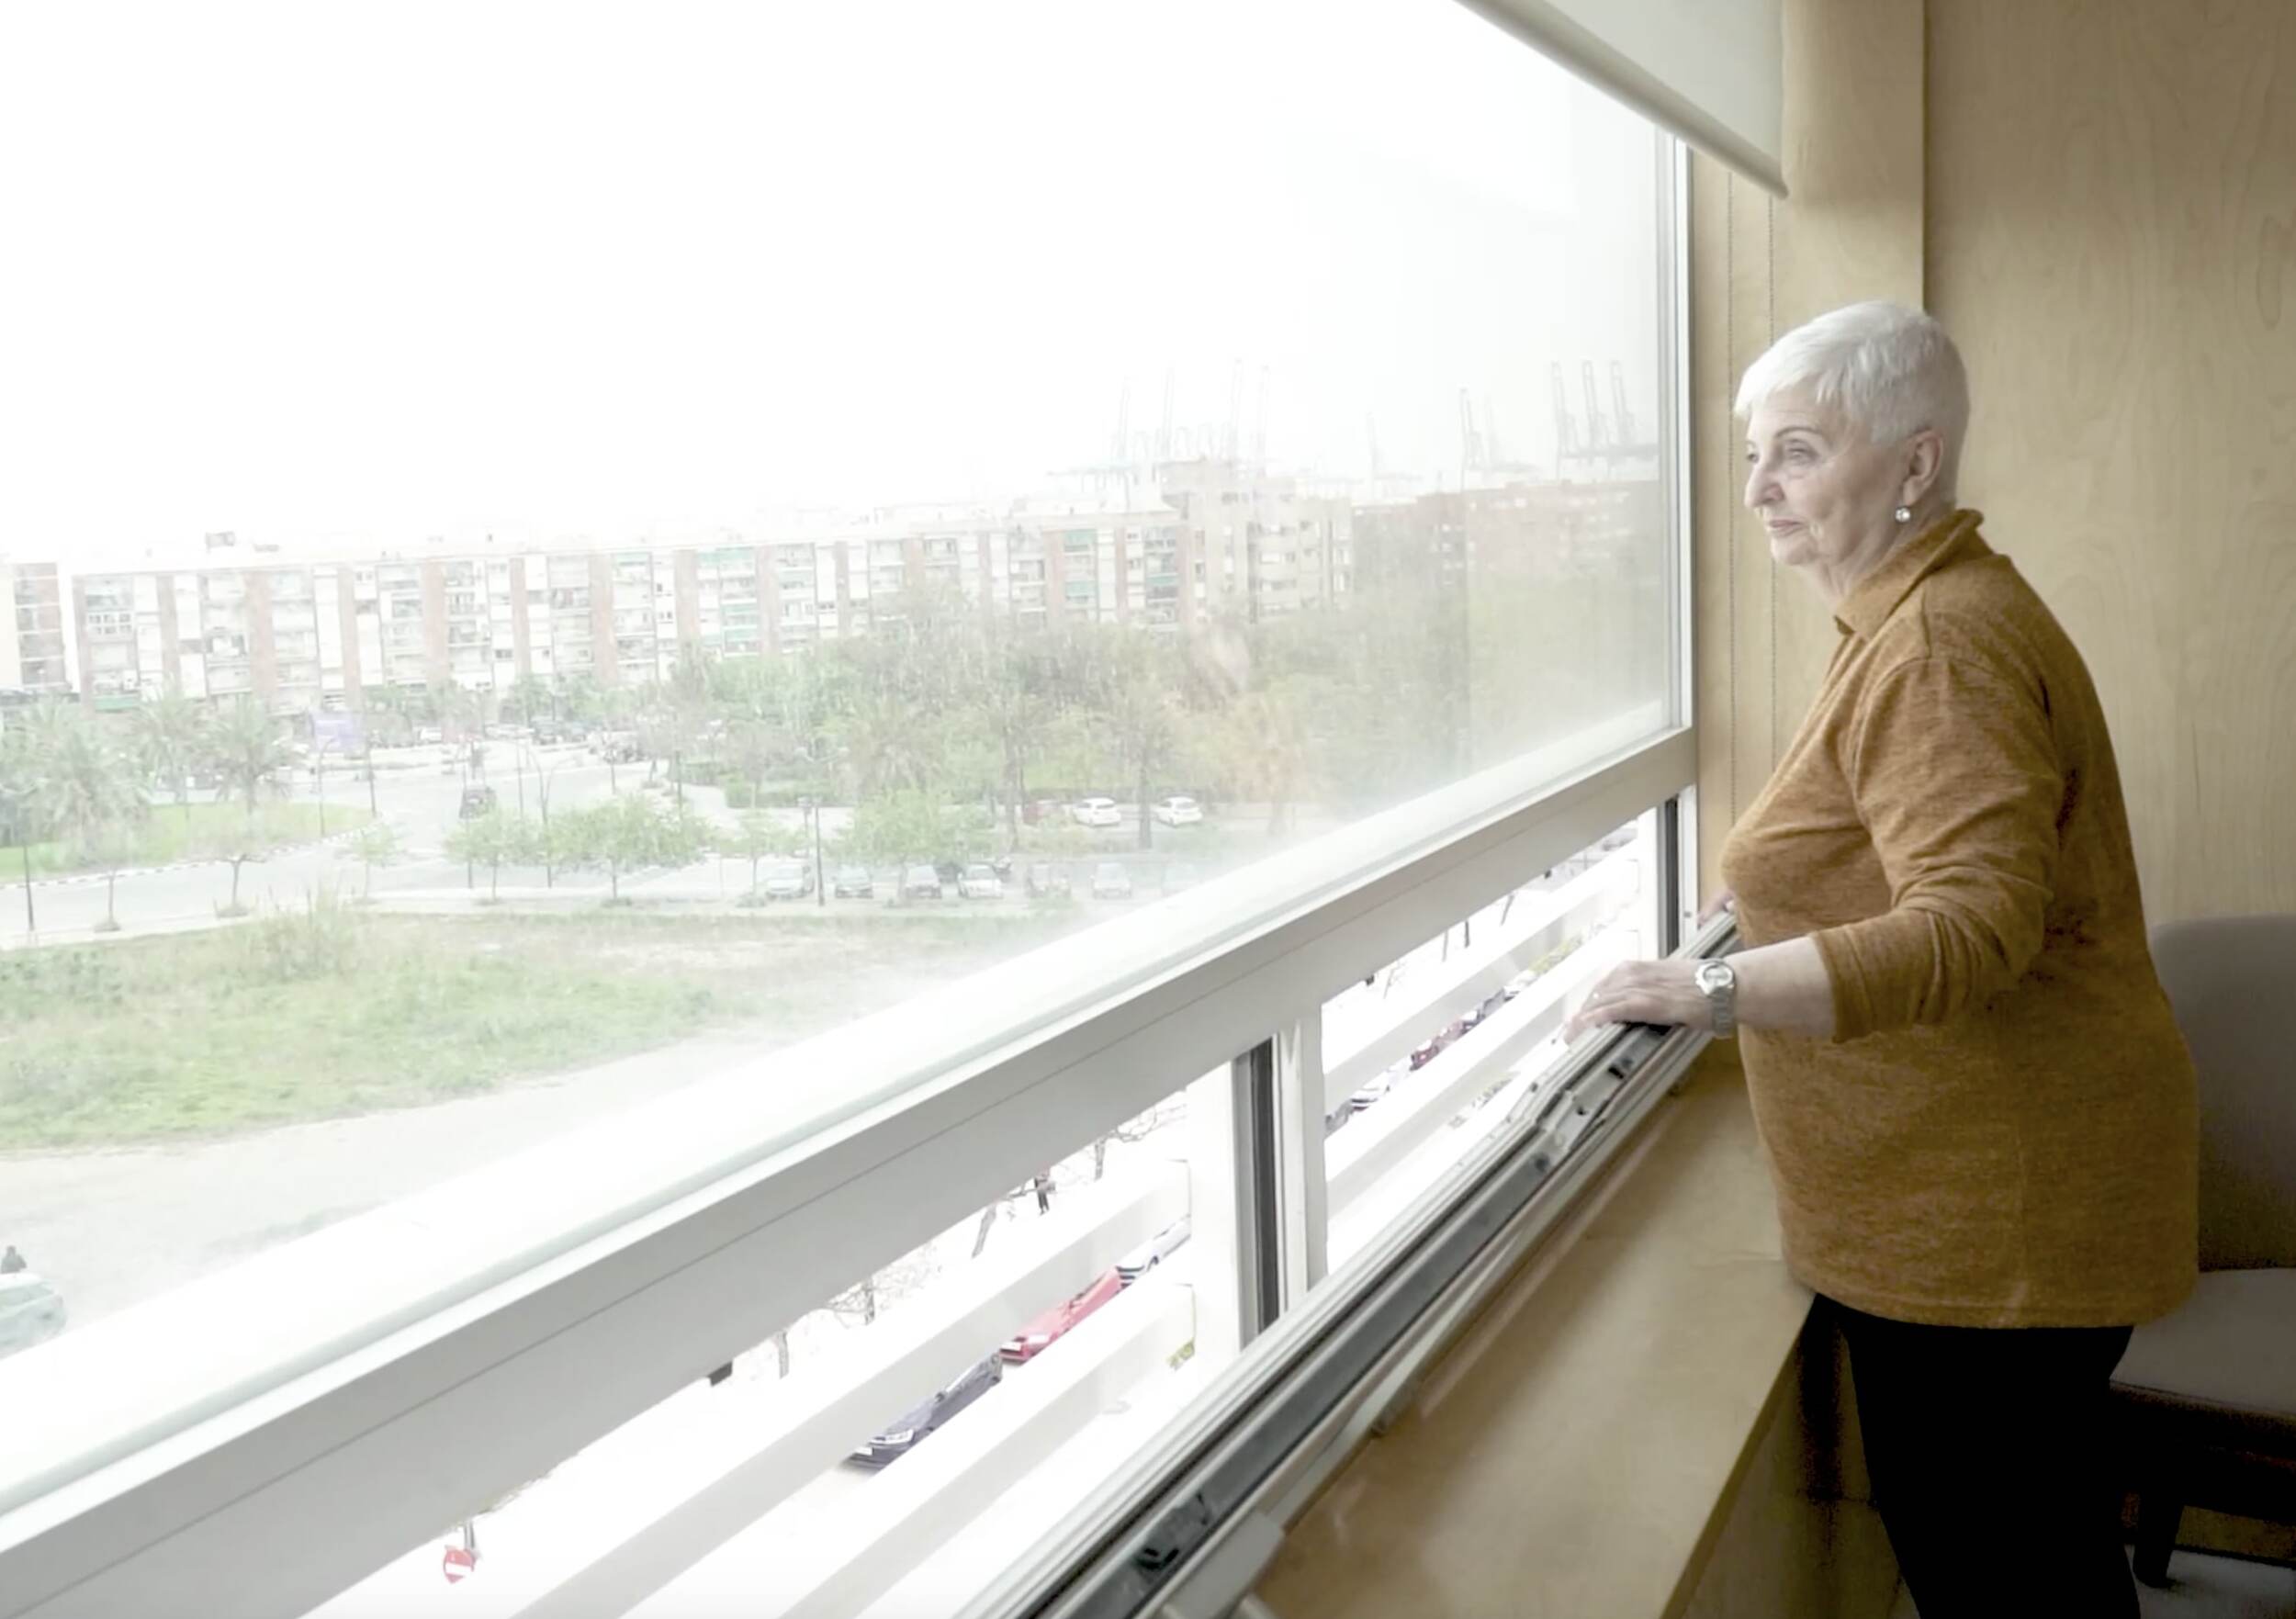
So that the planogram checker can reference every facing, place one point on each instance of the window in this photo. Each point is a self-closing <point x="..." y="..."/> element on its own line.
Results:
<point x="548" y="1063"/>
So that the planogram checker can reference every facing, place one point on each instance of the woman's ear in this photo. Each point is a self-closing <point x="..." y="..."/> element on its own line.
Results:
<point x="1926" y="461"/>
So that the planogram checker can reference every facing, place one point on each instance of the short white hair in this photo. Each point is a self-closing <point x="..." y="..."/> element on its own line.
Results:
<point x="1891" y="371"/>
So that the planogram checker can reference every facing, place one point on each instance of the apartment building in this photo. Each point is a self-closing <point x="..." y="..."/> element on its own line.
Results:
<point x="313" y="633"/>
<point x="33" y="654"/>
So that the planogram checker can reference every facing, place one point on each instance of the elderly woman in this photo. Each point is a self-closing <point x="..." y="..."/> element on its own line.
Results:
<point x="1980" y="1119"/>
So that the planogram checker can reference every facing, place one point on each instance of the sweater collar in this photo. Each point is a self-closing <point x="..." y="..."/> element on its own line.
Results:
<point x="1952" y="538"/>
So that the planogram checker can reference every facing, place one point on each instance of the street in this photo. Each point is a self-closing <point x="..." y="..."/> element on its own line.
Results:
<point x="421" y="799"/>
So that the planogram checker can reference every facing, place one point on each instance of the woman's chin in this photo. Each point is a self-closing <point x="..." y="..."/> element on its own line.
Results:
<point x="1792" y="548"/>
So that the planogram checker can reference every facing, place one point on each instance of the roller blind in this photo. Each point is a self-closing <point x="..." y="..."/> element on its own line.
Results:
<point x="1708" y="70"/>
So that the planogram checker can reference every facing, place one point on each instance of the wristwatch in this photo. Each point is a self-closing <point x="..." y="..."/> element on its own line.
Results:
<point x="1718" y="980"/>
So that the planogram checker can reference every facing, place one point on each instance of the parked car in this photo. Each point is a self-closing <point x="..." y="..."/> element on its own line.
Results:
<point x="1041" y="1333"/>
<point x="477" y="802"/>
<point x="1111" y="881"/>
<point x="1095" y="812"/>
<point x="31" y="1311"/>
<point x="428" y="734"/>
<point x="980" y="882"/>
<point x="920" y="883"/>
<point x="1045" y="877"/>
<point x="949" y="873"/>
<point x="909" y="1430"/>
<point x="1428" y="1051"/>
<point x="788" y="879"/>
<point x="1152" y="1253"/>
<point x="1179" y="874"/>
<point x="852" y="883"/>
<point x="1377" y="1085"/>
<point x="1178" y="810"/>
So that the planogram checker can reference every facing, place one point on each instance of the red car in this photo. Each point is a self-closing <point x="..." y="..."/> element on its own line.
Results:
<point x="1041" y="1333"/>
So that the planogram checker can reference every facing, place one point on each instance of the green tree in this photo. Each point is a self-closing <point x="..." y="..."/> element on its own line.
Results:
<point x="1267" y="752"/>
<point x="373" y="844"/>
<point x="172" y="742"/>
<point x="578" y="698"/>
<point x="114" y="847"/>
<point x="234" y="849"/>
<point x="1017" y="694"/>
<point x="392" y="711"/>
<point x="1138" y="702"/>
<point x="529" y="695"/>
<point x="247" y="753"/>
<point x="488" y="840"/>
<point x="84" y="782"/>
<point x="751" y="702"/>
<point x="890" y="745"/>
<point x="894" y="829"/>
<point x="760" y="837"/>
<point x="624" y="834"/>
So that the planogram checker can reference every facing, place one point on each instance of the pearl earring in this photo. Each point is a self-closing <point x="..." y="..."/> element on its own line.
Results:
<point x="1904" y="514"/>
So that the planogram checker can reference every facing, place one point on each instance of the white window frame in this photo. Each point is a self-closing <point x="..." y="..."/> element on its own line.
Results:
<point x="284" y="1429"/>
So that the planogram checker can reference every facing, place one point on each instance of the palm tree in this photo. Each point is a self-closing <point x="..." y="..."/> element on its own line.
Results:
<point x="172" y="736"/>
<point x="529" y="694"/>
<point x="245" y="751"/>
<point x="84" y="782"/>
<point x="891" y="747"/>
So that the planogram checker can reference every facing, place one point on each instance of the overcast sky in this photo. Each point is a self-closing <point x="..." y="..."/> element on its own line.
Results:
<point x="311" y="270"/>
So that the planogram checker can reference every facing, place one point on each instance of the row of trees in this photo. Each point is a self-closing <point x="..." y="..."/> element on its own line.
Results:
<point x="86" y="781"/>
<point x="631" y="831"/>
<point x="624" y="833"/>
<point x="942" y="706"/>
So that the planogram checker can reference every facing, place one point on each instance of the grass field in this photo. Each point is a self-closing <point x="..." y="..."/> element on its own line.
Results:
<point x="195" y="831"/>
<point x="331" y="1011"/>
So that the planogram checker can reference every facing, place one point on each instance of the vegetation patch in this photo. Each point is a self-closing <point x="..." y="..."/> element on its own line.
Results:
<point x="169" y="833"/>
<point x="329" y="1011"/>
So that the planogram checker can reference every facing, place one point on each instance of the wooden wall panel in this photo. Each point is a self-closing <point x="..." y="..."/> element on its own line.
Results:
<point x="2112" y="241"/>
<point x="1851" y="230"/>
<point x="2113" y="244"/>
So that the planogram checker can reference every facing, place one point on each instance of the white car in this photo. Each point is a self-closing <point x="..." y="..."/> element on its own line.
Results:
<point x="1152" y="1253"/>
<point x="1095" y="812"/>
<point x="981" y="882"/>
<point x="1179" y="810"/>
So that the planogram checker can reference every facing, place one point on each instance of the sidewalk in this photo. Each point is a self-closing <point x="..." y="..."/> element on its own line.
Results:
<point x="80" y="878"/>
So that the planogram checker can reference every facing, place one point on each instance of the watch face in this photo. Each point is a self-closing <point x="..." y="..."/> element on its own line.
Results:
<point x="1715" y="975"/>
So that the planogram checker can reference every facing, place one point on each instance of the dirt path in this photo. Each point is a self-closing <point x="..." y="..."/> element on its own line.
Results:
<point x="111" y="1228"/>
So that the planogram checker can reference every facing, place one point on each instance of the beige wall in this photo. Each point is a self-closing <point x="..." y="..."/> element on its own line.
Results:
<point x="2100" y="202"/>
<point x="2112" y="239"/>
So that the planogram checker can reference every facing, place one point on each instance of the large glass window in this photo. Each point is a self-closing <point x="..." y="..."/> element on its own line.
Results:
<point x="1341" y="328"/>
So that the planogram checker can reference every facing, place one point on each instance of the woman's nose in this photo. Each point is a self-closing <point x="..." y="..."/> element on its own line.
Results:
<point x="1761" y="488"/>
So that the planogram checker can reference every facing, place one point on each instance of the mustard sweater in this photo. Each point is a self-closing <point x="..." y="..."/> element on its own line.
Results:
<point x="2004" y="1129"/>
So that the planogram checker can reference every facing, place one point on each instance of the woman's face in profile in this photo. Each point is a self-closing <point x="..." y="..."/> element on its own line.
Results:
<point x="1823" y="491"/>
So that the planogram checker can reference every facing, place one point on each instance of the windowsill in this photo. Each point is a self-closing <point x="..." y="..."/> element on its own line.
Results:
<point x="1579" y="1450"/>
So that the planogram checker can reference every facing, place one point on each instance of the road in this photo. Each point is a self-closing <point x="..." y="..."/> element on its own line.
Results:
<point x="421" y="800"/>
<point x="111" y="1227"/>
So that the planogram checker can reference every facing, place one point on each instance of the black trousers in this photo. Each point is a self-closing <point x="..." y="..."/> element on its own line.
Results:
<point x="1991" y="1464"/>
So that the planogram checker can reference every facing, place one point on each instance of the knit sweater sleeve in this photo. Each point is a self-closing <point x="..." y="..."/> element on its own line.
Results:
<point x="1957" y="781"/>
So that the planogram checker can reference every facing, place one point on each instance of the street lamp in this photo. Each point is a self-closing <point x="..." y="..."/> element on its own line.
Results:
<point x="812" y="815"/>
